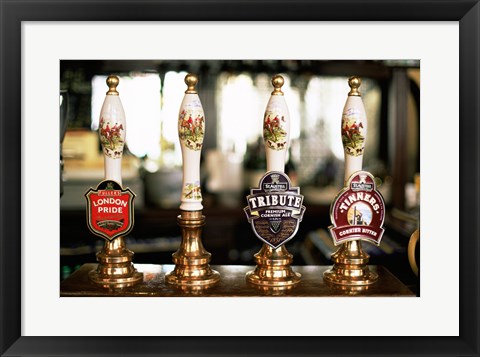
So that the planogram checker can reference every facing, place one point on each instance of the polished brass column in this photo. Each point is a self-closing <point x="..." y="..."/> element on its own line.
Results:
<point x="191" y="259"/>
<point x="273" y="268"/>
<point x="115" y="268"/>
<point x="350" y="266"/>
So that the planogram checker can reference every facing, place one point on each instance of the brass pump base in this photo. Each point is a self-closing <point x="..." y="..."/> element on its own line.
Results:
<point x="191" y="259"/>
<point x="350" y="266"/>
<point x="273" y="268"/>
<point x="115" y="268"/>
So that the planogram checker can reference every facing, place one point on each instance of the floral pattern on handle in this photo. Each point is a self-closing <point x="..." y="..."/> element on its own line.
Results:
<point x="192" y="191"/>
<point x="191" y="128"/>
<point x="352" y="133"/>
<point x="111" y="138"/>
<point x="273" y="131"/>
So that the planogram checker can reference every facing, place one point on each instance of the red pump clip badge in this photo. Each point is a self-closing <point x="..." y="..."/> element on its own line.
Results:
<point x="358" y="211"/>
<point x="110" y="210"/>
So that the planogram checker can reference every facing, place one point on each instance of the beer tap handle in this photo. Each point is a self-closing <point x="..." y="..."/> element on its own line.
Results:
<point x="354" y="128"/>
<point x="112" y="131"/>
<point x="191" y="129"/>
<point x="192" y="269"/>
<point x="276" y="127"/>
<point x="115" y="268"/>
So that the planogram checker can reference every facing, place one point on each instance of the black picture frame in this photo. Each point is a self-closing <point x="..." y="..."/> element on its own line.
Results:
<point x="466" y="12"/>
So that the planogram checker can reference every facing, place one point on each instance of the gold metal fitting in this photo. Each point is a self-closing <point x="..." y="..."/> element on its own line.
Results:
<point x="347" y="290"/>
<point x="277" y="82"/>
<point x="115" y="269"/>
<point x="112" y="83"/>
<point x="191" y="81"/>
<point x="350" y="266"/>
<point x="266" y="290"/>
<point x="273" y="268"/>
<point x="354" y="82"/>
<point x="191" y="259"/>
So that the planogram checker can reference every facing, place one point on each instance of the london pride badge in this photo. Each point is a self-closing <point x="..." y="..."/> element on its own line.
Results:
<point x="109" y="210"/>
<point x="358" y="211"/>
<point x="275" y="209"/>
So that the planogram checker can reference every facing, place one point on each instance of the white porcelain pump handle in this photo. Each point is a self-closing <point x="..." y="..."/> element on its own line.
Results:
<point x="354" y="128"/>
<point x="276" y="127"/>
<point x="191" y="130"/>
<point x="112" y="131"/>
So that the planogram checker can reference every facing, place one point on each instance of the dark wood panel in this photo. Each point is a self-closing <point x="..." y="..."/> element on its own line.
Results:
<point x="232" y="284"/>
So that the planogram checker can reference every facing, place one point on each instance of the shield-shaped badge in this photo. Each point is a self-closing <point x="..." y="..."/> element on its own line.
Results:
<point x="358" y="211"/>
<point x="110" y="210"/>
<point x="275" y="209"/>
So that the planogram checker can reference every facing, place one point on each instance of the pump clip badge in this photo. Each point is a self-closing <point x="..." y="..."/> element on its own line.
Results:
<point x="109" y="210"/>
<point x="358" y="211"/>
<point x="275" y="209"/>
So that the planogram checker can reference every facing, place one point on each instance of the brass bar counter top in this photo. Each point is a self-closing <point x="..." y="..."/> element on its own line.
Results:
<point x="232" y="284"/>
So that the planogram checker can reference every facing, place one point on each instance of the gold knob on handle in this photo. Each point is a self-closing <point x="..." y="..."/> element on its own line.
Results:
<point x="277" y="82"/>
<point x="191" y="81"/>
<point x="112" y="83"/>
<point x="354" y="82"/>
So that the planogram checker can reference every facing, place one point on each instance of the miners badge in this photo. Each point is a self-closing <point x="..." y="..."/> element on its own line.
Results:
<point x="358" y="211"/>
<point x="275" y="209"/>
<point x="110" y="210"/>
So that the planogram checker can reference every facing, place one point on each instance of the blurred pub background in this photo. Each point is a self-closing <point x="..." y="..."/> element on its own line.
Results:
<point x="234" y="94"/>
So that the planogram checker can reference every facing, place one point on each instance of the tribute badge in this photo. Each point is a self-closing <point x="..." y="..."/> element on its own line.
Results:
<point x="358" y="211"/>
<point x="110" y="210"/>
<point x="275" y="209"/>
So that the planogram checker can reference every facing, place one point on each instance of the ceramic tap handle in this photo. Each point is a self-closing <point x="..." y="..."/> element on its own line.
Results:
<point x="276" y="127"/>
<point x="354" y="128"/>
<point x="191" y="129"/>
<point x="111" y="130"/>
